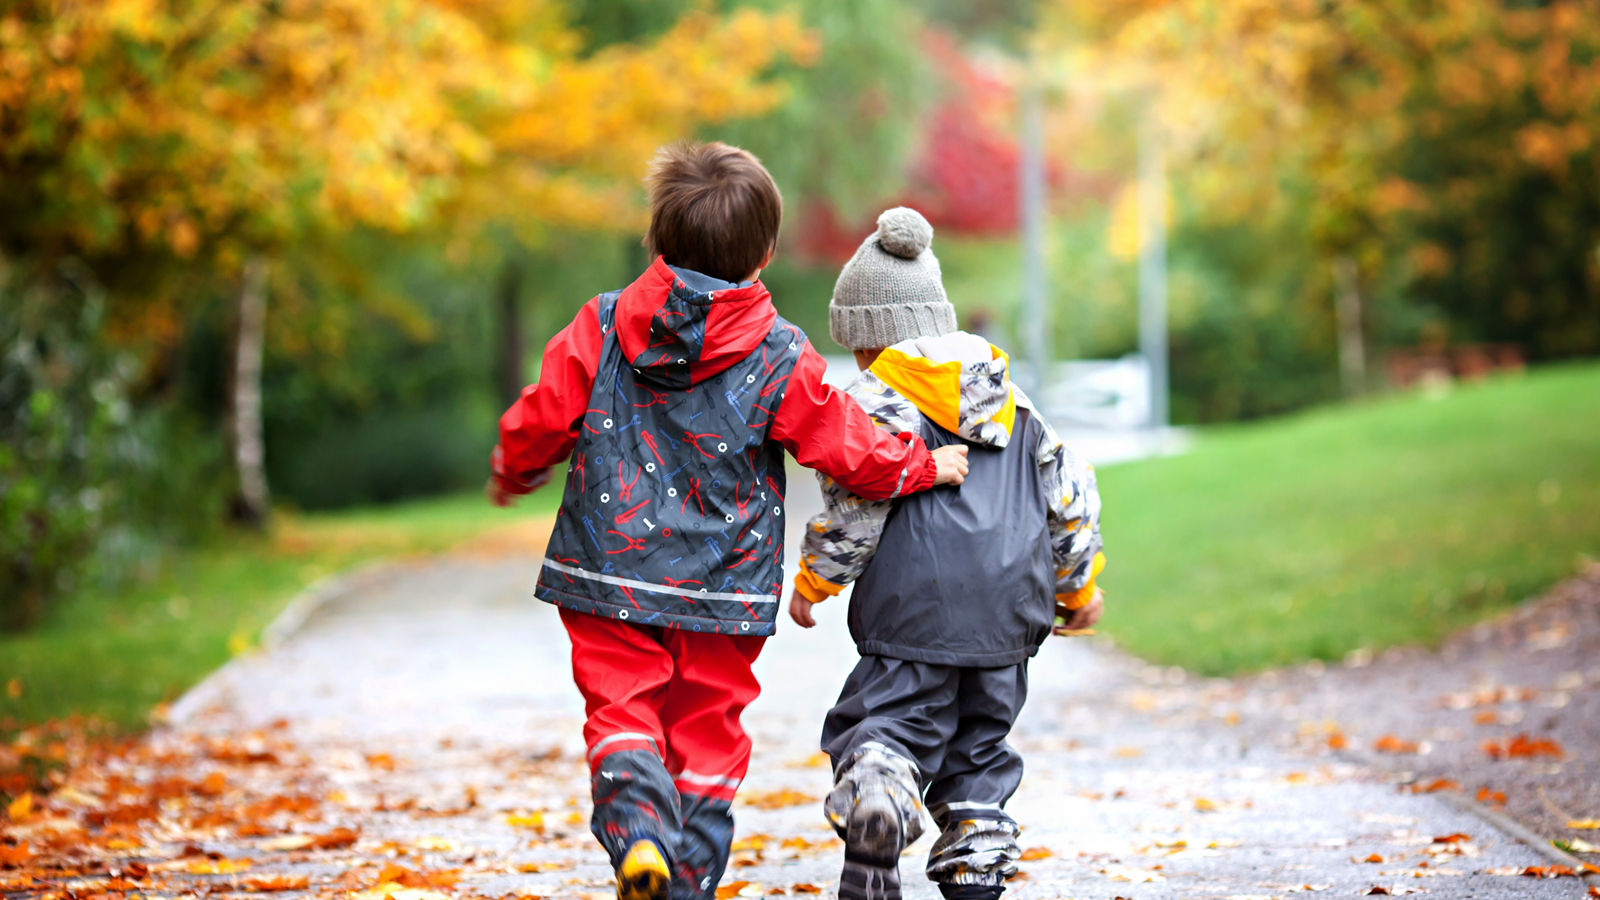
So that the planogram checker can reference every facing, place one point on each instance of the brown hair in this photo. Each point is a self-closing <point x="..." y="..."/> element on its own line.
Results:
<point x="713" y="209"/>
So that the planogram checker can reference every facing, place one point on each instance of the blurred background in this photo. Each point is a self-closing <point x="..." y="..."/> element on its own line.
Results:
<point x="269" y="271"/>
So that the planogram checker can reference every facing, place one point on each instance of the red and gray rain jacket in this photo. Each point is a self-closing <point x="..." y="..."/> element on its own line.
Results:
<point x="674" y="400"/>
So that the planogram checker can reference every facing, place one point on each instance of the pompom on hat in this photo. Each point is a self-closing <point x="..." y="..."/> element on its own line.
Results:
<point x="891" y="290"/>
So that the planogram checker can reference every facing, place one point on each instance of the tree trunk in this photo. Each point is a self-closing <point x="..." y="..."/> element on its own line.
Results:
<point x="509" y="374"/>
<point x="1347" y="313"/>
<point x="253" y="503"/>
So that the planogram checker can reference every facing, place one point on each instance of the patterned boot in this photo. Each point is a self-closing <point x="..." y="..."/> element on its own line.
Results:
<point x="874" y="806"/>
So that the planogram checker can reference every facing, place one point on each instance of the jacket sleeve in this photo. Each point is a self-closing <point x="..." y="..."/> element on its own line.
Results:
<point x="1074" y="519"/>
<point x="825" y="430"/>
<point x="841" y="540"/>
<point x="541" y="427"/>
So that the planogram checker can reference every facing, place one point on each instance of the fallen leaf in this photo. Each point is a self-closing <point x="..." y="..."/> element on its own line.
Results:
<point x="751" y="842"/>
<point x="1392" y="744"/>
<point x="1201" y="804"/>
<point x="1338" y="741"/>
<point x="396" y="892"/>
<point x="337" y="839"/>
<point x="20" y="809"/>
<point x="532" y="820"/>
<point x="1374" y="858"/>
<point x="777" y="799"/>
<point x="437" y="844"/>
<point x="1129" y="752"/>
<point x="1394" y="890"/>
<point x="1033" y="853"/>
<point x="1497" y="798"/>
<point x="1584" y="824"/>
<point x="731" y="889"/>
<point x="804" y="845"/>
<point x="14" y="855"/>
<point x="1436" y="785"/>
<point x="1455" y="838"/>
<point x="212" y="785"/>
<point x="805" y="887"/>
<point x="269" y="883"/>
<point x="217" y="866"/>
<point x="1549" y="872"/>
<point x="288" y="842"/>
<point x="1522" y="746"/>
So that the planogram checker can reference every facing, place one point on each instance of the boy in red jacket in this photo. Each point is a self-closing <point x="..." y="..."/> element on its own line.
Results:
<point x="674" y="400"/>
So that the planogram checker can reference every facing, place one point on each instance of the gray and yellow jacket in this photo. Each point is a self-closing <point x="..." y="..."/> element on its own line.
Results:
<point x="968" y="576"/>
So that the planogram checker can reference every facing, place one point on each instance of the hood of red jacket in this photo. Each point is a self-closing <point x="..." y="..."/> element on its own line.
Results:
<point x="675" y="335"/>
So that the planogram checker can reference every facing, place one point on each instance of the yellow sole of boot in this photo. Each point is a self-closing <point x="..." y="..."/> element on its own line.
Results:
<point x="643" y="874"/>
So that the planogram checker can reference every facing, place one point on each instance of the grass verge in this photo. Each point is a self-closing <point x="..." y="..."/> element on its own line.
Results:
<point x="1364" y="525"/>
<point x="116" y="655"/>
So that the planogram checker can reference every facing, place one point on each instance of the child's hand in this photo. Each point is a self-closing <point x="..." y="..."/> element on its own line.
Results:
<point x="951" y="464"/>
<point x="1085" y="616"/>
<point x="800" y="610"/>
<point x="498" y="495"/>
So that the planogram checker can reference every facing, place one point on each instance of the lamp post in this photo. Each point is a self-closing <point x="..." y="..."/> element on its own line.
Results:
<point x="1153" y="267"/>
<point x="1035" y="308"/>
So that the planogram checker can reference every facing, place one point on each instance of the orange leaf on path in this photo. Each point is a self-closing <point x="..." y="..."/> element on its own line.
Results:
<point x="21" y="808"/>
<point x="270" y="883"/>
<point x="777" y="799"/>
<point x="1337" y="741"/>
<point x="1497" y="798"/>
<point x="1037" y="853"/>
<point x="14" y="855"/>
<point x="1523" y="746"/>
<point x="1436" y="785"/>
<point x="1455" y="838"/>
<point x="1374" y="858"/>
<point x="1391" y="744"/>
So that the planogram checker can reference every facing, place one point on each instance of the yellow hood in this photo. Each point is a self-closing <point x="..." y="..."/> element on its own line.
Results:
<point x="959" y="380"/>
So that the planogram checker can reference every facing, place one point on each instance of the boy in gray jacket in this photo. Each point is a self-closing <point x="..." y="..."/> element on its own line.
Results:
<point x="954" y="589"/>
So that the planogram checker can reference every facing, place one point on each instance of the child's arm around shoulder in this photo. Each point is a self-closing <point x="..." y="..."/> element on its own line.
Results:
<point x="1073" y="496"/>
<point x="541" y="427"/>
<point x="841" y="540"/>
<point x="825" y="430"/>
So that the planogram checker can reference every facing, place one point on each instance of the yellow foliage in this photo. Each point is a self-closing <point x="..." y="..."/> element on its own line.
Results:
<point x="1243" y="89"/>
<point x="212" y="125"/>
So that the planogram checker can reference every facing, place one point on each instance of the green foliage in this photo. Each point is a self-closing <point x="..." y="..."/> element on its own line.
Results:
<point x="389" y="455"/>
<point x="1363" y="525"/>
<point x="88" y="480"/>
<point x="844" y="132"/>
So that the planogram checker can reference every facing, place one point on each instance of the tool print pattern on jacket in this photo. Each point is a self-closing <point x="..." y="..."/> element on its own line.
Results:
<point x="675" y="399"/>
<point x="956" y="386"/>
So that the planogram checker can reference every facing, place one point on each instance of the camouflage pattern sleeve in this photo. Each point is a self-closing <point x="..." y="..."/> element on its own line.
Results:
<point x="1074" y="516"/>
<point x="840" y="540"/>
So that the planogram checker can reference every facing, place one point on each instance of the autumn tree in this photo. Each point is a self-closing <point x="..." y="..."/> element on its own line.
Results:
<point x="170" y="145"/>
<point x="1432" y="148"/>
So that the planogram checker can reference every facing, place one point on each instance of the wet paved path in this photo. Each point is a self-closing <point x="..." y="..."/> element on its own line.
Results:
<point x="431" y="705"/>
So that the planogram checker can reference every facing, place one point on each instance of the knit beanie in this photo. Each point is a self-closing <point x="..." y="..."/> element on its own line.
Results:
<point x="891" y="289"/>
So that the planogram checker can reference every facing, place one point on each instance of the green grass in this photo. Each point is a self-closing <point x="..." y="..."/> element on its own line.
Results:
<point x="117" y="655"/>
<point x="1367" y="525"/>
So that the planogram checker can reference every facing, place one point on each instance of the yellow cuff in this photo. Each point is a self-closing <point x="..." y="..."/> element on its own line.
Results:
<point x="814" y="587"/>
<point x="1080" y="598"/>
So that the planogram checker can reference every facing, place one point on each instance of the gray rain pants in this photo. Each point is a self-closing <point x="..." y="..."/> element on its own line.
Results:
<point x="947" y="726"/>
